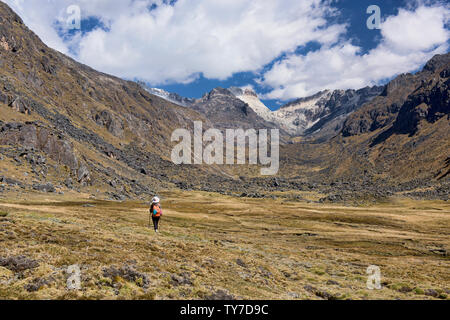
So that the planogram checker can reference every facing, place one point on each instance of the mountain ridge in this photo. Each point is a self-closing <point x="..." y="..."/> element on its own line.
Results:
<point x="303" y="116"/>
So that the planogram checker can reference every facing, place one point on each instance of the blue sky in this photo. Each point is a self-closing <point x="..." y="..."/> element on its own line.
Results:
<point x="283" y="49"/>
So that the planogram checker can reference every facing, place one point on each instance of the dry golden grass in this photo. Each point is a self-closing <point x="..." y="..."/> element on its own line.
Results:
<point x="286" y="250"/>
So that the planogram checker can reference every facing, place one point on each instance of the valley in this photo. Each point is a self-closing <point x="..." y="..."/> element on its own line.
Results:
<point x="217" y="247"/>
<point x="66" y="127"/>
<point x="362" y="179"/>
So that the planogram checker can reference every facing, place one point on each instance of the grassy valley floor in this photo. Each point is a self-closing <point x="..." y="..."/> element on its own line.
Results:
<point x="217" y="247"/>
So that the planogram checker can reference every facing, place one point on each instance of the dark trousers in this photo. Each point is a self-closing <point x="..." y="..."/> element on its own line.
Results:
<point x="155" y="222"/>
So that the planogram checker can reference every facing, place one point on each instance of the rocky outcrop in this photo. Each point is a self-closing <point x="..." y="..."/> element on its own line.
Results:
<point x="430" y="102"/>
<point x="383" y="110"/>
<point x="38" y="137"/>
<point x="47" y="66"/>
<point x="338" y="108"/>
<point x="20" y="105"/>
<point x="225" y="111"/>
<point x="318" y="116"/>
<point x="16" y="102"/>
<point x="47" y="187"/>
<point x="111" y="122"/>
<point x="406" y="92"/>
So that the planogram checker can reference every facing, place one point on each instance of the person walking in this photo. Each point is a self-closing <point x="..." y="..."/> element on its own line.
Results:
<point x="155" y="213"/>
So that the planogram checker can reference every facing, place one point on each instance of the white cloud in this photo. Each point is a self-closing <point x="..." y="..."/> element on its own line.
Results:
<point x="217" y="38"/>
<point x="222" y="37"/>
<point x="416" y="30"/>
<point x="409" y="39"/>
<point x="40" y="20"/>
<point x="176" y="43"/>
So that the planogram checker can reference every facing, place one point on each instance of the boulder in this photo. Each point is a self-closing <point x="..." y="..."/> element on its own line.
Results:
<point x="111" y="122"/>
<point x="83" y="174"/>
<point x="47" y="187"/>
<point x="20" y="105"/>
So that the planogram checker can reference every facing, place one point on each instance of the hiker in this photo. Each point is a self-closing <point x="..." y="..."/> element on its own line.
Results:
<point x="155" y="212"/>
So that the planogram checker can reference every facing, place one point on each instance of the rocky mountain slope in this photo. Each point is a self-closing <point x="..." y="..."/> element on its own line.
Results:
<point x="252" y="99"/>
<point x="340" y="105"/>
<point x="406" y="100"/>
<point x="224" y="110"/>
<point x="319" y="116"/>
<point x="223" y="107"/>
<point x="398" y="141"/>
<point x="407" y="128"/>
<point x="68" y="125"/>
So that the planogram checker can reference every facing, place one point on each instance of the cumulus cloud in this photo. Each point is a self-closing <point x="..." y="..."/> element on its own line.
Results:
<point x="176" y="43"/>
<point x="161" y="43"/>
<point x="409" y="39"/>
<point x="216" y="38"/>
<point x="48" y="18"/>
<point x="40" y="20"/>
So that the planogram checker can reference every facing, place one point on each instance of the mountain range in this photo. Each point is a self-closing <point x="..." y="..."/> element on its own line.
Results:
<point x="65" y="127"/>
<point x="320" y="115"/>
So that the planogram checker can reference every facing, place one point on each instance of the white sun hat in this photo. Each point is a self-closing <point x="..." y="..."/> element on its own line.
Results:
<point x="155" y="200"/>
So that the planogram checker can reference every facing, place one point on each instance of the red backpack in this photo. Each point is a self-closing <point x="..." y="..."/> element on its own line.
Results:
<point x="156" y="211"/>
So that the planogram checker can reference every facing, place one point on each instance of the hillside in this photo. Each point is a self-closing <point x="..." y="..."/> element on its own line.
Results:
<point x="407" y="128"/>
<point x="70" y="126"/>
<point x="399" y="141"/>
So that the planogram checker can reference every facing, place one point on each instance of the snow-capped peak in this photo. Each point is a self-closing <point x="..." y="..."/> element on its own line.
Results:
<point x="251" y="98"/>
<point x="171" y="97"/>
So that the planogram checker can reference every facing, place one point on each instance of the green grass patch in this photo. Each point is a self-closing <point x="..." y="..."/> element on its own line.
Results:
<point x="419" y="291"/>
